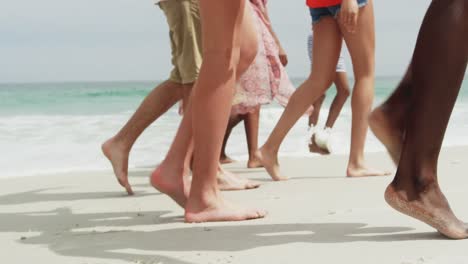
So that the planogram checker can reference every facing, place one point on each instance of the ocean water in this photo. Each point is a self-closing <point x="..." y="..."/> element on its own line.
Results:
<point x="57" y="127"/>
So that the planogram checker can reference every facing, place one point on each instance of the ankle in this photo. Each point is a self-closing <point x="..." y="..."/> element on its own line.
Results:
<point x="253" y="156"/>
<point x="268" y="148"/>
<point x="424" y="181"/>
<point x="121" y="143"/>
<point x="204" y="197"/>
<point x="357" y="162"/>
<point x="427" y="179"/>
<point x="175" y="167"/>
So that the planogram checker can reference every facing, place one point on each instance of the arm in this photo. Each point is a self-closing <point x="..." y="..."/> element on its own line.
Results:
<point x="282" y="53"/>
<point x="349" y="15"/>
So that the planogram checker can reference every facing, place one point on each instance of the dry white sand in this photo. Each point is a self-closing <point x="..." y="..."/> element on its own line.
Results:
<point x="317" y="217"/>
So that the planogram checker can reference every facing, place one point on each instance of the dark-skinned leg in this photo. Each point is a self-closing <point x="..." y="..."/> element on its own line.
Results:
<point x="438" y="68"/>
<point x="388" y="120"/>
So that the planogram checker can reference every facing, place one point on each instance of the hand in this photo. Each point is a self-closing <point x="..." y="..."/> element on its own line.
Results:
<point x="283" y="56"/>
<point x="349" y="14"/>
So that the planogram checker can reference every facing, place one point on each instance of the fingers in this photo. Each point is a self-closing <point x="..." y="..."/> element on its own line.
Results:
<point x="348" y="17"/>
<point x="349" y="20"/>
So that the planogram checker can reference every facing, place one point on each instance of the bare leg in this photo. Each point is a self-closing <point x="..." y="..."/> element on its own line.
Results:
<point x="226" y="29"/>
<point x="170" y="177"/>
<point x="342" y="94"/>
<point x="437" y="69"/>
<point x="388" y="121"/>
<point x="361" y="46"/>
<point x="186" y="96"/>
<point x="228" y="181"/>
<point x="251" y="123"/>
<point x="313" y="120"/>
<point x="342" y="89"/>
<point x="234" y="120"/>
<point x="314" y="117"/>
<point x="326" y="50"/>
<point x="117" y="148"/>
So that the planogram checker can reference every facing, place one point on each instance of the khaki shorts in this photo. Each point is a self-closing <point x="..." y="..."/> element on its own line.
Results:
<point x="183" y="18"/>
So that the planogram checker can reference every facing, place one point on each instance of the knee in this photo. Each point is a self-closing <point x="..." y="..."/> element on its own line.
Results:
<point x="319" y="82"/>
<point x="363" y="82"/>
<point x="364" y="72"/>
<point x="343" y="92"/>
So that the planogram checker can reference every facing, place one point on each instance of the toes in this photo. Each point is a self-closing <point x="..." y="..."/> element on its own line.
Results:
<point x="252" y="185"/>
<point x="256" y="214"/>
<point x="129" y="190"/>
<point x="383" y="173"/>
<point x="124" y="183"/>
<point x="280" y="178"/>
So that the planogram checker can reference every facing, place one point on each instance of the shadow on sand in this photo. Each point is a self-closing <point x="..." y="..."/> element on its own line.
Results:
<point x="113" y="235"/>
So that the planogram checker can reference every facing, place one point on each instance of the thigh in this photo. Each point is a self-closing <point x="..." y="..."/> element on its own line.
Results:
<point x="221" y="20"/>
<point x="361" y="44"/>
<point x="326" y="49"/>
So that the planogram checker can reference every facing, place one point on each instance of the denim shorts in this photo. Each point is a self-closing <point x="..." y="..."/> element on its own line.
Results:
<point x="318" y="13"/>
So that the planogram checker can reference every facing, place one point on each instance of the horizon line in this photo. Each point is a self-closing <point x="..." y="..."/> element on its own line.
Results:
<point x="156" y="81"/>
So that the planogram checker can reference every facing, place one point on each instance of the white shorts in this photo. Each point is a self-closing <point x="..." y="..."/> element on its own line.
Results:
<point x="340" y="67"/>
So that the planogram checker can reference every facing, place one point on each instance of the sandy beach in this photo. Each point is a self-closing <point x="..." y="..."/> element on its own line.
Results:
<point x="319" y="216"/>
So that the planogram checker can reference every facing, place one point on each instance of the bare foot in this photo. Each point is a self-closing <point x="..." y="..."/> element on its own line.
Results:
<point x="218" y="210"/>
<point x="254" y="163"/>
<point x="430" y="207"/>
<point x="270" y="162"/>
<point x="363" y="171"/>
<point x="228" y="181"/>
<point x="118" y="157"/>
<point x="168" y="182"/>
<point x="313" y="148"/>
<point x="387" y="133"/>
<point x="226" y="160"/>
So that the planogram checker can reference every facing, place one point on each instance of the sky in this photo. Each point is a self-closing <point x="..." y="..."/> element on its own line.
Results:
<point x="109" y="40"/>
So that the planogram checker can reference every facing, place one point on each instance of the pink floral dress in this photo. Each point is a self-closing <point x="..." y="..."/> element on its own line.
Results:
<point x="266" y="79"/>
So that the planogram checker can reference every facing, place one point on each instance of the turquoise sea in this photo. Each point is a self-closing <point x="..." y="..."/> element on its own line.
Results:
<point x="54" y="127"/>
